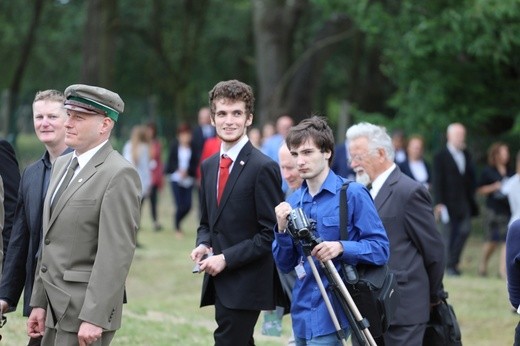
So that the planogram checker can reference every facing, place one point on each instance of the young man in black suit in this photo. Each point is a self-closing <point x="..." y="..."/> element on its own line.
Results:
<point x="236" y="225"/>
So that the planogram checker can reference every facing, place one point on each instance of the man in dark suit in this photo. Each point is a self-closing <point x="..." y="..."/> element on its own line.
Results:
<point x="10" y="173"/>
<point x="49" y="125"/>
<point x="454" y="185"/>
<point x="416" y="247"/>
<point x="237" y="228"/>
<point x="90" y="218"/>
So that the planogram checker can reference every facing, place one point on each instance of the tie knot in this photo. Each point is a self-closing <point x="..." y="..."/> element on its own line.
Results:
<point x="225" y="161"/>
<point x="74" y="164"/>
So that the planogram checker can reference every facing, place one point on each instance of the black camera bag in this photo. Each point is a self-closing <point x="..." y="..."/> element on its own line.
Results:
<point x="373" y="288"/>
<point x="442" y="328"/>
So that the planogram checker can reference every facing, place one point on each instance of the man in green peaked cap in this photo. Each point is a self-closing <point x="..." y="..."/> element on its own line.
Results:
<point x="90" y="218"/>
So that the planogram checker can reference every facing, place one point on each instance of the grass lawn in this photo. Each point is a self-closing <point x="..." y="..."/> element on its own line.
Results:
<point x="164" y="295"/>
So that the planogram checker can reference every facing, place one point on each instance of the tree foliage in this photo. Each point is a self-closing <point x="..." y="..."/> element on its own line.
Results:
<point x="449" y="60"/>
<point x="417" y="65"/>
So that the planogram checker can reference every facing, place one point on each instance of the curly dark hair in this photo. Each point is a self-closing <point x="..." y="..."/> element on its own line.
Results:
<point x="315" y="128"/>
<point x="232" y="90"/>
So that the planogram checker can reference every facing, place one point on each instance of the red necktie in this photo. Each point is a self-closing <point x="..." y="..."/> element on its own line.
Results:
<point x="225" y="162"/>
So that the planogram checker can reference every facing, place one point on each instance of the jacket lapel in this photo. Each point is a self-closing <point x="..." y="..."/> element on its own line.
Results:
<point x="86" y="173"/>
<point x="238" y="167"/>
<point x="387" y="188"/>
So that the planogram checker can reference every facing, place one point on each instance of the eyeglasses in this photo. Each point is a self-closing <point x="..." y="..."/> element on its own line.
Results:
<point x="357" y="157"/>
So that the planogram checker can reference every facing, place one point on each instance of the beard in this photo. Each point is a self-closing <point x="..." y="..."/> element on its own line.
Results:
<point x="362" y="178"/>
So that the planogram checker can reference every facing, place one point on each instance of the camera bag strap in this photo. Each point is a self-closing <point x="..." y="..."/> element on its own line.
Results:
<point x="343" y="211"/>
<point x="351" y="274"/>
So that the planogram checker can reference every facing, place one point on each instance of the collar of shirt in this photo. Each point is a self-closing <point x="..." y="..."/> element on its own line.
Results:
<point x="84" y="158"/>
<point x="329" y="185"/>
<point x="234" y="151"/>
<point x="380" y="180"/>
<point x="46" y="159"/>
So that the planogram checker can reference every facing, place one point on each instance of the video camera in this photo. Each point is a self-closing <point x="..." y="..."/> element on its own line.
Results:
<point x="302" y="228"/>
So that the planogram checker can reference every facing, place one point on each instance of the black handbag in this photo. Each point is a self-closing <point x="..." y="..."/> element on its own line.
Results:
<point x="373" y="288"/>
<point x="443" y="328"/>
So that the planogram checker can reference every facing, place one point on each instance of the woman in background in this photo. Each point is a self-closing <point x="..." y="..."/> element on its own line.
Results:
<point x="498" y="212"/>
<point x="181" y="169"/>
<point x="414" y="165"/>
<point x="156" y="168"/>
<point x="137" y="151"/>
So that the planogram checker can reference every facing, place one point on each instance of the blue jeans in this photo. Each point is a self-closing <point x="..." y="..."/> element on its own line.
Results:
<point x="323" y="340"/>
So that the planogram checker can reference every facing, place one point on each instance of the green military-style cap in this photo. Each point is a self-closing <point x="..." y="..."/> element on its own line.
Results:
<point x="93" y="100"/>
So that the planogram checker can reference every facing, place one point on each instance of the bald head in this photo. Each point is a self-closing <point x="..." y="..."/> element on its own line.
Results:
<point x="456" y="135"/>
<point x="288" y="167"/>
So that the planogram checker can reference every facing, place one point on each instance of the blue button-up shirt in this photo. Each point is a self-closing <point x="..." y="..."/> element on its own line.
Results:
<point x="367" y="243"/>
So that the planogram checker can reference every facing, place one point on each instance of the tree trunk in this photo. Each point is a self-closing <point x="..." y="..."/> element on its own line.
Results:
<point x="99" y="43"/>
<point x="274" y="22"/>
<point x="16" y="83"/>
<point x="309" y="69"/>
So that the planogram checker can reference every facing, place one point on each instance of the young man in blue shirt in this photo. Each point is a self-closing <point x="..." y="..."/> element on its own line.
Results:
<point x="311" y="143"/>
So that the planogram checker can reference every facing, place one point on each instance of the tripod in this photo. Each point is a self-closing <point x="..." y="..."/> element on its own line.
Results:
<point x="301" y="230"/>
<point x="358" y="324"/>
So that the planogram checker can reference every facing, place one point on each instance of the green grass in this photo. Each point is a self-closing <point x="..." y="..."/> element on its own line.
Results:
<point x="163" y="294"/>
<point x="163" y="307"/>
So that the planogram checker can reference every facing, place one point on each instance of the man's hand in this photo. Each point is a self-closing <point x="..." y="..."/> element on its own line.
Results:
<point x="213" y="264"/>
<point x="199" y="251"/>
<point x="88" y="333"/>
<point x="282" y="210"/>
<point x="36" y="323"/>
<point x="327" y="250"/>
<point x="4" y="307"/>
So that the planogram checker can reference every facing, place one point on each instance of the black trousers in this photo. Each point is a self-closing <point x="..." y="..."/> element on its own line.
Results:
<point x="235" y="327"/>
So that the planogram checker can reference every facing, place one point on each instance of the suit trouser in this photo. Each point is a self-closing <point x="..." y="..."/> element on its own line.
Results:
<point x="59" y="337"/>
<point x="456" y="233"/>
<point x="235" y="327"/>
<point x="411" y="335"/>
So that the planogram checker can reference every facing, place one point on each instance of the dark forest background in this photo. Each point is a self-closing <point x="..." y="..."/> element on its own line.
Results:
<point x="412" y="65"/>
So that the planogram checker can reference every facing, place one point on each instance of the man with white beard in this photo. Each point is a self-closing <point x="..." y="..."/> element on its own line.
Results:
<point x="416" y="247"/>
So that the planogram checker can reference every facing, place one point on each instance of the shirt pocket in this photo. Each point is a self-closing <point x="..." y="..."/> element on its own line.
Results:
<point x="330" y="228"/>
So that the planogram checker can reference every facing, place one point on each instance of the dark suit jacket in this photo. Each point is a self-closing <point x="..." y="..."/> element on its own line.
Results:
<point x="241" y="228"/>
<point x="416" y="247"/>
<point x="340" y="164"/>
<point x="20" y="262"/>
<point x="453" y="189"/>
<point x="10" y="174"/>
